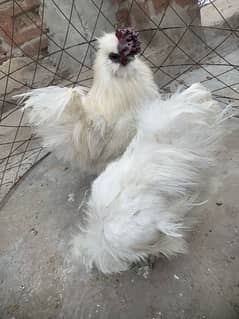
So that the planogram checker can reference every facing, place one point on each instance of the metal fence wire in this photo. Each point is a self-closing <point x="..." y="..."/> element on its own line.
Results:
<point x="53" y="42"/>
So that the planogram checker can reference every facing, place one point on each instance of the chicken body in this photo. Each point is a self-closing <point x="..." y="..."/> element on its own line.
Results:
<point x="144" y="203"/>
<point x="90" y="129"/>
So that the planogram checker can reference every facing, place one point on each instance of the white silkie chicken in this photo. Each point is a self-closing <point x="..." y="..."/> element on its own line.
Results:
<point x="90" y="129"/>
<point x="144" y="203"/>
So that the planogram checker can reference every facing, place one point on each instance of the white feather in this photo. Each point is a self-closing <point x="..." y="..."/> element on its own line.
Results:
<point x="48" y="104"/>
<point x="144" y="203"/>
<point x="90" y="129"/>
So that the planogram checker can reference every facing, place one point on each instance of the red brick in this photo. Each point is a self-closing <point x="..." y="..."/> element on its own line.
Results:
<point x="123" y="18"/>
<point x="6" y="28"/>
<point x="25" y="20"/>
<point x="159" y="5"/>
<point x="31" y="48"/>
<point x="119" y="2"/>
<point x="24" y="29"/>
<point x="184" y="3"/>
<point x="21" y="29"/>
<point x="26" y="34"/>
<point x="6" y="9"/>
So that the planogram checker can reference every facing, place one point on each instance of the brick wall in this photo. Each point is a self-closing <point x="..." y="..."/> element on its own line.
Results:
<point x="23" y="21"/>
<point x="151" y="8"/>
<point x="169" y="46"/>
<point x="21" y="28"/>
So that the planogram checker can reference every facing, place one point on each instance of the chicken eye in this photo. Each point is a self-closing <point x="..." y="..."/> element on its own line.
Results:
<point x="114" y="57"/>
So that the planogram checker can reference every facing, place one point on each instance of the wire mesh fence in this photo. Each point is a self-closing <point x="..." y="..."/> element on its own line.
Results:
<point x="53" y="42"/>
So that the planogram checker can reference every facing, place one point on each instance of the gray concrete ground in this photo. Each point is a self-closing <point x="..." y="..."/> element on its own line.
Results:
<point x="40" y="280"/>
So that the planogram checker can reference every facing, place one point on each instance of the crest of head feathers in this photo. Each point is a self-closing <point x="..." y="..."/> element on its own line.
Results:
<point x="129" y="44"/>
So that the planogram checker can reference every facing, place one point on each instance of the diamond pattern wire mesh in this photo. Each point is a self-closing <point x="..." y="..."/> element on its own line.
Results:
<point x="180" y="52"/>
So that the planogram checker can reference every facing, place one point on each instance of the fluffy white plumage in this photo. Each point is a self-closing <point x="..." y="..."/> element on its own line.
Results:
<point x="142" y="204"/>
<point x="90" y="129"/>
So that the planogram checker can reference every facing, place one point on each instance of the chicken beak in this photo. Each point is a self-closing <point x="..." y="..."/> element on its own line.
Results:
<point x="124" y="60"/>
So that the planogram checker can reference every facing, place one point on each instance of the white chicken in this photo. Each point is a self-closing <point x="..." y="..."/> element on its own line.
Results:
<point x="144" y="203"/>
<point x="91" y="129"/>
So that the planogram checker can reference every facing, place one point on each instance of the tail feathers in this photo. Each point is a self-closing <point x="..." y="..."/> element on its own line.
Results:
<point x="143" y="204"/>
<point x="190" y="120"/>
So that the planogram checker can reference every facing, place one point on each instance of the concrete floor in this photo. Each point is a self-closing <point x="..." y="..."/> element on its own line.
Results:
<point x="39" y="279"/>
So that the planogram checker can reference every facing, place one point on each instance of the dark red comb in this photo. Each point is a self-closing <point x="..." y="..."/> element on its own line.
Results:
<point x="128" y="41"/>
